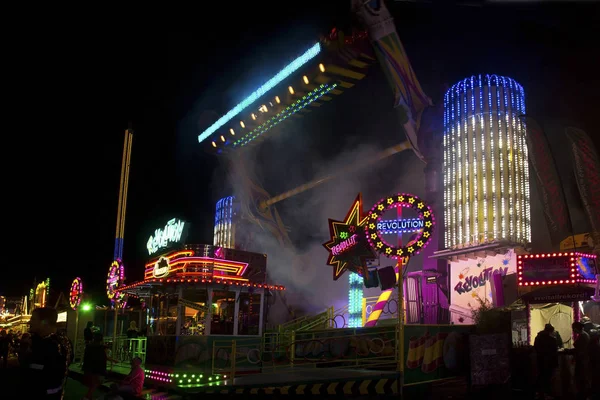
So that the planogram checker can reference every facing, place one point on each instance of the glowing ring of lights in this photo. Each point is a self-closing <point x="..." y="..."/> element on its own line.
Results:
<point x="76" y="293"/>
<point x="399" y="200"/>
<point x="115" y="279"/>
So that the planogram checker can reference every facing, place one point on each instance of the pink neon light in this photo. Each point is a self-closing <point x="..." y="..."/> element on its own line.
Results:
<point x="345" y="245"/>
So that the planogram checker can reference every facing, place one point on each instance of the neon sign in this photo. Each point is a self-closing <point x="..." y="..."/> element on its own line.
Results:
<point x="115" y="278"/>
<point x="345" y="245"/>
<point x="347" y="249"/>
<point x="400" y="226"/>
<point x="415" y="246"/>
<point x="161" y="268"/>
<point x="163" y="238"/>
<point x="76" y="293"/>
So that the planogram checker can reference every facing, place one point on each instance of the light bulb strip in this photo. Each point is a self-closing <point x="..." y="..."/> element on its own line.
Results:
<point x="475" y="237"/>
<point x="256" y="95"/>
<point x="483" y="163"/>
<point x="467" y="238"/>
<point x="290" y="110"/>
<point x="492" y="166"/>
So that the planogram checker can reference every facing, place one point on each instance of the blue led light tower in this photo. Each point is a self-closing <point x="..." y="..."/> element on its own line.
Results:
<point x="486" y="170"/>
<point x="355" y="297"/>
<point x="225" y="223"/>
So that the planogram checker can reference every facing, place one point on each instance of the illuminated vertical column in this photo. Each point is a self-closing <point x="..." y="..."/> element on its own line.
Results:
<point x="486" y="177"/>
<point x="501" y="159"/>
<point x="224" y="229"/>
<point x="492" y="161"/>
<point x="124" y="185"/>
<point x="355" y="296"/>
<point x="446" y="167"/>
<point x="475" y="205"/>
<point x="467" y="237"/>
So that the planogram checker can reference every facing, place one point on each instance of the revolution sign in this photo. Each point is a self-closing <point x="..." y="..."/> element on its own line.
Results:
<point x="172" y="233"/>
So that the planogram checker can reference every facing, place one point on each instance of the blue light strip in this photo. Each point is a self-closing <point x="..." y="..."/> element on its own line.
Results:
<point x="271" y="83"/>
<point x="283" y="115"/>
<point x="355" y="297"/>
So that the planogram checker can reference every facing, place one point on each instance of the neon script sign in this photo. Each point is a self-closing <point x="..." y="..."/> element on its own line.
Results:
<point x="163" y="238"/>
<point x="345" y="245"/>
<point x="474" y="281"/>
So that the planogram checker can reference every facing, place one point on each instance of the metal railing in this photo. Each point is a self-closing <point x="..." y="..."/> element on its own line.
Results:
<point x="390" y="309"/>
<point x="127" y="349"/>
<point x="340" y="348"/>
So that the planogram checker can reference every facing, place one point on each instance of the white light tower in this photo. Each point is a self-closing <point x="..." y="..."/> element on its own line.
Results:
<point x="486" y="171"/>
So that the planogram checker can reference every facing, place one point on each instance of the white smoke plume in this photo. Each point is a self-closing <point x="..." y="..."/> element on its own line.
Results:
<point x="291" y="156"/>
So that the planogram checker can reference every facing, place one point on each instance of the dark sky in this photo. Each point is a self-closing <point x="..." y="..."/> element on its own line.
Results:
<point x="73" y="92"/>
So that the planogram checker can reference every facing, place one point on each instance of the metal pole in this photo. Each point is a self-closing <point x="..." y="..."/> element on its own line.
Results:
<point x="114" y="346"/>
<point x="351" y="168"/>
<point x="76" y="333"/>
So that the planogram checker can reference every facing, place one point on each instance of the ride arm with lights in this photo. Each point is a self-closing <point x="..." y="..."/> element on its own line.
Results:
<point x="410" y="99"/>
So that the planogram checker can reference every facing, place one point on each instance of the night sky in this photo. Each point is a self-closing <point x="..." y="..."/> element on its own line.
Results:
<point x="73" y="94"/>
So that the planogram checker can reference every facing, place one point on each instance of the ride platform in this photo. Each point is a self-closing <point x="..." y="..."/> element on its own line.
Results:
<point x="297" y="380"/>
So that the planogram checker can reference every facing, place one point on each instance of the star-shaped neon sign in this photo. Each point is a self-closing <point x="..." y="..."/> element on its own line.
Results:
<point x="348" y="252"/>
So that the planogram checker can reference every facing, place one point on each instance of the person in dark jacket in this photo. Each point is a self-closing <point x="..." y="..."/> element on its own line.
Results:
<point x="4" y="346"/>
<point x="88" y="333"/>
<point x="546" y="349"/>
<point x="582" y="358"/>
<point x="45" y="367"/>
<point x="94" y="364"/>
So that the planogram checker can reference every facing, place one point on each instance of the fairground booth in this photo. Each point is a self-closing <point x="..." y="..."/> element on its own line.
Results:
<point x="193" y="293"/>
<point x="554" y="288"/>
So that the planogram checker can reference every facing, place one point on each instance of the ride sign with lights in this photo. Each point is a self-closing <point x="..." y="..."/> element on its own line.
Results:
<point x="161" y="268"/>
<point x="360" y="237"/>
<point x="172" y="233"/>
<point x="375" y="228"/>
<point x="348" y="249"/>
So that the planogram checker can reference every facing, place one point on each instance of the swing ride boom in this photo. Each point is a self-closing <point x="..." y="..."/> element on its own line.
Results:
<point x="354" y="167"/>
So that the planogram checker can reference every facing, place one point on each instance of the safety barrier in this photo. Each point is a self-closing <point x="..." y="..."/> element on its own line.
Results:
<point x="390" y="310"/>
<point x="374" y="348"/>
<point x="375" y="386"/>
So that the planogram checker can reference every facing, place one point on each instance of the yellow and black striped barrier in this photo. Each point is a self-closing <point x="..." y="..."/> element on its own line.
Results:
<point x="379" y="386"/>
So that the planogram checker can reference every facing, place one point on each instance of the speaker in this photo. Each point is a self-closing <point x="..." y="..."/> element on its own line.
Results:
<point x="387" y="277"/>
<point x="372" y="279"/>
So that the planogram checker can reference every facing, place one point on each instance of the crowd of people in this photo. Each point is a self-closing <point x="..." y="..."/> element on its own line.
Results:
<point x="586" y="357"/>
<point x="43" y="357"/>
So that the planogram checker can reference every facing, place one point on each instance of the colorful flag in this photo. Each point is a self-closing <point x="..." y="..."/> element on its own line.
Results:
<point x="549" y="185"/>
<point x="394" y="61"/>
<point x="586" y="164"/>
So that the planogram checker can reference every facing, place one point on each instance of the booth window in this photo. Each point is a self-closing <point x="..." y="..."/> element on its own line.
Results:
<point x="223" y="304"/>
<point x="194" y="312"/>
<point x="249" y="314"/>
<point x="167" y="315"/>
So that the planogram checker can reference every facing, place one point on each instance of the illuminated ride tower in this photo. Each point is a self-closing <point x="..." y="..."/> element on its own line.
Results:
<point x="486" y="190"/>
<point x="225" y="222"/>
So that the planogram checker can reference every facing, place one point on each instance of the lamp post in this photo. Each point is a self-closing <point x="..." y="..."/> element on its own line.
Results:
<point x="84" y="307"/>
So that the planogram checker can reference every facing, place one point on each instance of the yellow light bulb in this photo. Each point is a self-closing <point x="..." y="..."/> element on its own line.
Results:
<point x="222" y="138"/>
<point x="242" y="124"/>
<point x="291" y="89"/>
<point x="277" y="100"/>
<point x="321" y="67"/>
<point x="214" y="144"/>
<point x="253" y="116"/>
<point x="231" y="131"/>
<point x="305" y="79"/>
